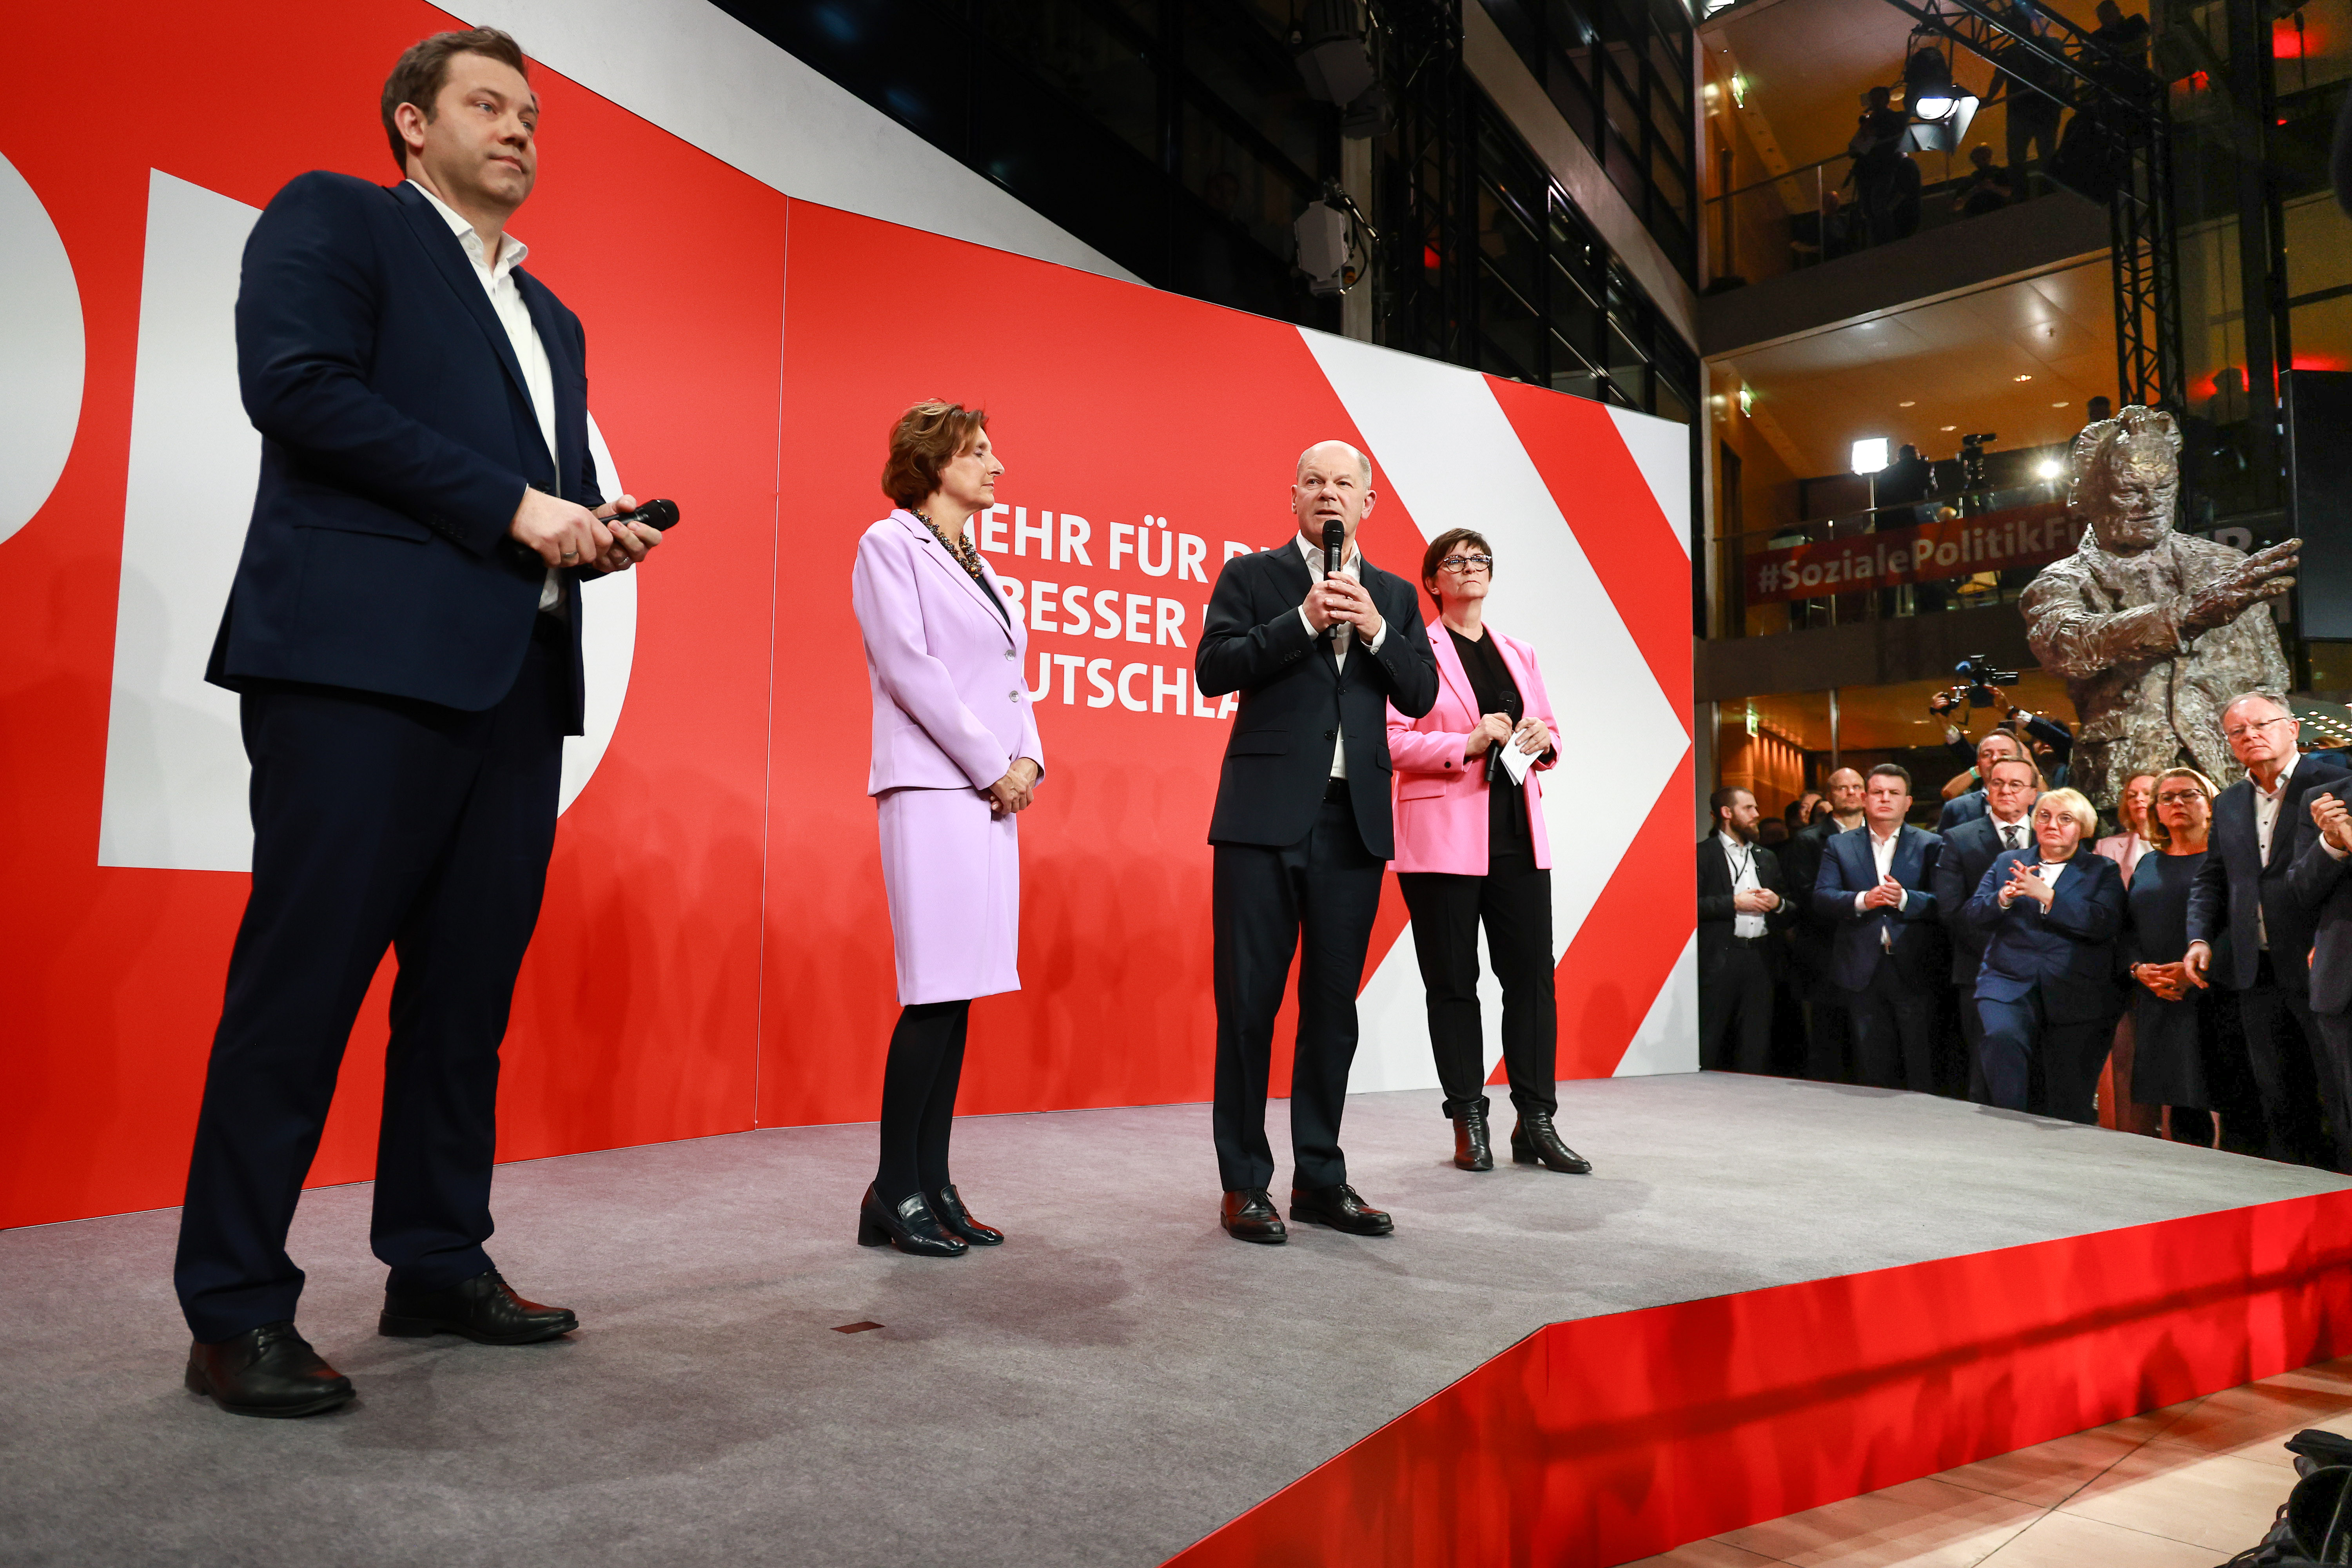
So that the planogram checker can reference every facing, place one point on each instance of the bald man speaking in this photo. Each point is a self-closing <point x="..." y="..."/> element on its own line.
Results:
<point x="1302" y="829"/>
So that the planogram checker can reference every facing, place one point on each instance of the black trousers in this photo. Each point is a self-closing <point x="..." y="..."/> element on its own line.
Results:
<point x="918" y="1096"/>
<point x="1735" y="1010"/>
<point x="2017" y="1037"/>
<point x="2033" y="124"/>
<point x="1512" y="900"/>
<point x="1893" y="1032"/>
<point x="1972" y="1040"/>
<point x="1315" y="898"/>
<point x="2291" y="1066"/>
<point x="377" y="822"/>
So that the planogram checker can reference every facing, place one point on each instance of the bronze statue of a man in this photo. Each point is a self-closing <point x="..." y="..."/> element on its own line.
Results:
<point x="2153" y="631"/>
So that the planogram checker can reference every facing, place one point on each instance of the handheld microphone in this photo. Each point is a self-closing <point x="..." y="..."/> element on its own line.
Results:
<point x="1335" y="541"/>
<point x="654" y="514"/>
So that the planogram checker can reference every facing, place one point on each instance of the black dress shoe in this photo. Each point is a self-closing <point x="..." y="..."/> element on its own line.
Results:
<point x="1339" y="1208"/>
<point x="1535" y="1142"/>
<point x="268" y="1371"/>
<point x="947" y="1206"/>
<point x="484" y="1310"/>
<point x="1471" y="1152"/>
<point x="911" y="1228"/>
<point x="1248" y="1215"/>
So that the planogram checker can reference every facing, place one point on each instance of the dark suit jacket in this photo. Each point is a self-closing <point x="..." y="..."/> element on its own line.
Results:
<point x="1857" y="947"/>
<point x="1801" y="867"/>
<point x="1296" y="702"/>
<point x="2067" y="953"/>
<point x="2235" y="884"/>
<point x="2323" y="892"/>
<point x="1715" y="915"/>
<point x="1962" y="808"/>
<point x="397" y="437"/>
<point x="1969" y="847"/>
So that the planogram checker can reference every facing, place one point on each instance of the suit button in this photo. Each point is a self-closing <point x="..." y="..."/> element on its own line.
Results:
<point x="1008" y="653"/>
<point x="1331" y="734"/>
<point x="1013" y="697"/>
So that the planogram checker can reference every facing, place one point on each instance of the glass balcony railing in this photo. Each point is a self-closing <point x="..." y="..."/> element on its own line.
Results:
<point x="1817" y="213"/>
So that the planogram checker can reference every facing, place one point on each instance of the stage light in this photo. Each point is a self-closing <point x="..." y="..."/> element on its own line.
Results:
<point x="1870" y="455"/>
<point x="2051" y="468"/>
<point x="1927" y="84"/>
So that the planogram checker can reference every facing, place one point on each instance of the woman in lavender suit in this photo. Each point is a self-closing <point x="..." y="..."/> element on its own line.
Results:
<point x="956" y="757"/>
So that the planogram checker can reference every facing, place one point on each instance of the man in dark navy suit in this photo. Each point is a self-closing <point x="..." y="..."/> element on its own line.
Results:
<point x="1874" y="891"/>
<point x="403" y="634"/>
<point x="1302" y="829"/>
<point x="2012" y="785"/>
<point x="2260" y="824"/>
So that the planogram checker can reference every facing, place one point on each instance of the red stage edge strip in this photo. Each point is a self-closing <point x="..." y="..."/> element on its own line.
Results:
<point x="1606" y="1439"/>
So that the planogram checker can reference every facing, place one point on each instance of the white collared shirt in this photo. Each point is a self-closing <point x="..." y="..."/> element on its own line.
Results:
<point x="1742" y="859"/>
<point x="2267" y="802"/>
<point x="1344" y="635"/>
<point x="506" y="302"/>
<point x="1881" y="855"/>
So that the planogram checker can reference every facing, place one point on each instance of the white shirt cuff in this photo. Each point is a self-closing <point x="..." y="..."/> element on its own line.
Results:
<point x="1305" y="622"/>
<point x="2332" y="852"/>
<point x="1374" y="645"/>
<point x="1902" y="900"/>
<point x="1857" y="901"/>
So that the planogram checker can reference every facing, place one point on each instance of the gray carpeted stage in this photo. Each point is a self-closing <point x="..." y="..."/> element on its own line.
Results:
<point x="1117" y="1381"/>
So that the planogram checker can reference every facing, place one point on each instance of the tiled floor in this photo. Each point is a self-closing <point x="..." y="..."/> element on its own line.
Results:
<point x="2184" y="1487"/>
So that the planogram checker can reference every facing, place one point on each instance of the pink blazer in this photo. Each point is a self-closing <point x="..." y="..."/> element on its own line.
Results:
<point x="950" y="702"/>
<point x="1441" y="807"/>
<point x="2125" y="849"/>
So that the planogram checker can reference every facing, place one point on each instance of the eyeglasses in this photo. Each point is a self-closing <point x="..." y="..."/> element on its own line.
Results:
<point x="2242" y="730"/>
<point x="2180" y="796"/>
<point x="1463" y="565"/>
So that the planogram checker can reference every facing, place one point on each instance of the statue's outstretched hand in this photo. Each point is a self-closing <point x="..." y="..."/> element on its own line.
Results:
<point x="2264" y="574"/>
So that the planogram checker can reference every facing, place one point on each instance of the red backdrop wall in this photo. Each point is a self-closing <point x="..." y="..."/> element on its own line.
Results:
<point x="713" y="954"/>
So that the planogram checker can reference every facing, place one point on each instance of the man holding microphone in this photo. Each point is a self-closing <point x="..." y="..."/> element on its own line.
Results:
<point x="404" y="636"/>
<point x="1302" y="827"/>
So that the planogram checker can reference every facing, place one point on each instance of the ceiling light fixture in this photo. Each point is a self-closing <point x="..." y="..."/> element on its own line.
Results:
<point x="1908" y="402"/>
<point x="1947" y="428"/>
<point x="2021" y="378"/>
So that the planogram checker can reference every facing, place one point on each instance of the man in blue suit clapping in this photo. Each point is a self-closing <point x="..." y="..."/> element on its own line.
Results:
<point x="1875" y="893"/>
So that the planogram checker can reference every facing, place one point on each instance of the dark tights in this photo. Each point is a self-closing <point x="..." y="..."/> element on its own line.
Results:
<point x="918" y="1094"/>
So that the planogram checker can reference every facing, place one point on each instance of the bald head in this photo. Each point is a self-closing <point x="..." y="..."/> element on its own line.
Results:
<point x="1334" y="484"/>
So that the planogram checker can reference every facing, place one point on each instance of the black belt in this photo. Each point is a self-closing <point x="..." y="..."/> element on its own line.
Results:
<point x="1749" y="941"/>
<point x="1335" y="789"/>
<point x="551" y="630"/>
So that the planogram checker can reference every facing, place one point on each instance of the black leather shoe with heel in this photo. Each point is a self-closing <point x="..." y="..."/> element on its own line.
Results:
<point x="1535" y="1142"/>
<point x="947" y="1206"/>
<point x="484" y="1310"/>
<point x="1247" y="1214"/>
<point x="268" y="1371"/>
<point x="909" y="1226"/>
<point x="1471" y="1149"/>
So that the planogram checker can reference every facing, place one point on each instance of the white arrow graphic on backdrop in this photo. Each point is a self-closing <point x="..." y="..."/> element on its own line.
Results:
<point x="40" y="353"/>
<point x="176" y="767"/>
<point x="1449" y="453"/>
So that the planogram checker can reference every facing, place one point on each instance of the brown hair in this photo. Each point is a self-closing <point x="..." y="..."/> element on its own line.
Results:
<point x="925" y="440"/>
<point x="1441" y="547"/>
<point x="2158" y="834"/>
<point x="419" y="75"/>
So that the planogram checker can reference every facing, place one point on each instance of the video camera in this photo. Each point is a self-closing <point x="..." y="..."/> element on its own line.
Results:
<point x="1978" y="678"/>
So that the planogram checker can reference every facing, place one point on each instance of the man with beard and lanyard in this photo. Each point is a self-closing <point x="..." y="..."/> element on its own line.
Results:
<point x="1302" y="829"/>
<point x="1739" y="908"/>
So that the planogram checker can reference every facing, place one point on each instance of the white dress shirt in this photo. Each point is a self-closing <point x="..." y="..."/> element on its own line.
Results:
<point x="514" y="315"/>
<point x="1881" y="855"/>
<point x="2266" y="814"/>
<point x="1742" y="859"/>
<point x="1344" y="635"/>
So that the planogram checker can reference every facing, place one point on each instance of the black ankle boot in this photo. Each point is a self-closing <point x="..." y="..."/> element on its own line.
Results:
<point x="956" y="1219"/>
<point x="1471" y="1152"/>
<point x="909" y="1226"/>
<point x="1534" y="1141"/>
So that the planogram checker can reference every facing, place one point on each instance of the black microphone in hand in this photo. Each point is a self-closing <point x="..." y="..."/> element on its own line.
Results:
<point x="1335" y="541"/>
<point x="654" y="514"/>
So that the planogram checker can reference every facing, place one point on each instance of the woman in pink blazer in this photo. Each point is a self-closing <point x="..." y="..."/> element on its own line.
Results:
<point x="956" y="757"/>
<point x="1471" y="847"/>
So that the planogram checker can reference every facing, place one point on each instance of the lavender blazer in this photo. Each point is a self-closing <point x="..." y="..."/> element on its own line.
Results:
<point x="951" y="701"/>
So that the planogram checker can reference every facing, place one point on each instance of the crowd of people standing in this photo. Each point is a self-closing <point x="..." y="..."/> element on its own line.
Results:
<point x="2199" y="944"/>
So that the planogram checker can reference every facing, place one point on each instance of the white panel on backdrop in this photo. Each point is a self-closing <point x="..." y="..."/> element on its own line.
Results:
<point x="1667" y="1040"/>
<point x="40" y="353"/>
<point x="1449" y="455"/>
<point x="175" y="765"/>
<point x="714" y="83"/>
<point x="175" y="768"/>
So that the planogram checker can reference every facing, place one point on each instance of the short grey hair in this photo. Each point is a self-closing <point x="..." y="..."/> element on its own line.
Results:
<point x="2244" y="697"/>
<point x="1363" y="464"/>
